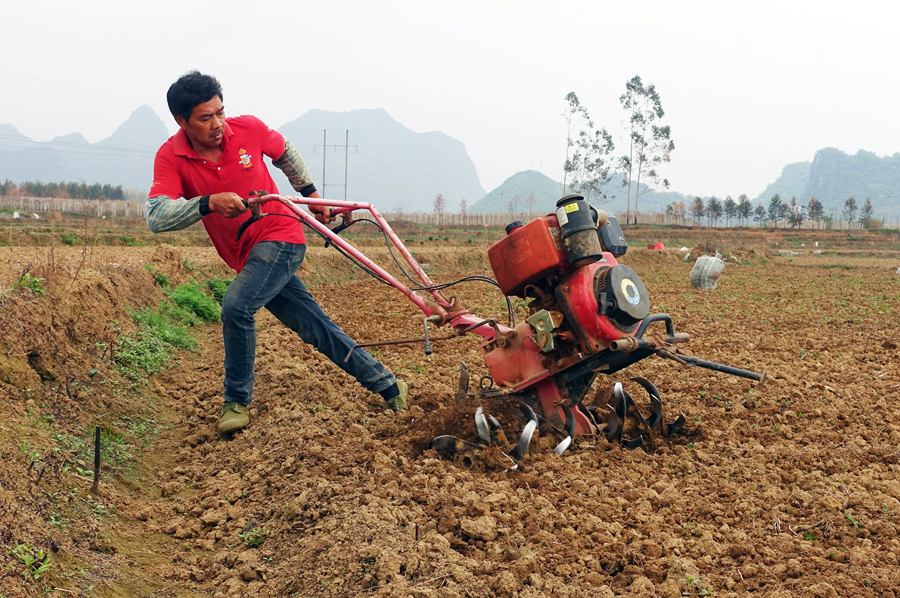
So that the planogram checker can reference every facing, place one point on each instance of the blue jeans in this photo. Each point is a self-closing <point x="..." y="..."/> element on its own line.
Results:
<point x="269" y="280"/>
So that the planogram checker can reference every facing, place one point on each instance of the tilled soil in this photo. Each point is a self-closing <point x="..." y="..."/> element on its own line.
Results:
<point x="790" y="488"/>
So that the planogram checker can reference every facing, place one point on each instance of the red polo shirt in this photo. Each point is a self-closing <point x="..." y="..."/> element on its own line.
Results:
<point x="179" y="172"/>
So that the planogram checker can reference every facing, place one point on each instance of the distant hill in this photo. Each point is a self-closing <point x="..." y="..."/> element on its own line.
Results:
<point x="124" y="158"/>
<point x="792" y="182"/>
<point x="529" y="191"/>
<point x="388" y="165"/>
<point x="522" y="185"/>
<point x="833" y="176"/>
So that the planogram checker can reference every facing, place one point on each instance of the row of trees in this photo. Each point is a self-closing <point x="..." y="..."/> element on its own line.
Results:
<point x="588" y="168"/>
<point x="63" y="190"/>
<point x="777" y="211"/>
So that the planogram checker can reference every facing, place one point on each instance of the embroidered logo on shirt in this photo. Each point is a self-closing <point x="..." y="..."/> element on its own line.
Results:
<point x="244" y="159"/>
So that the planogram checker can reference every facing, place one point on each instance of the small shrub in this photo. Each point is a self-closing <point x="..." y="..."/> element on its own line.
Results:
<point x="160" y="278"/>
<point x="30" y="283"/>
<point x="69" y="239"/>
<point x="35" y="560"/>
<point x="218" y="286"/>
<point x="192" y="298"/>
<point x="254" y="537"/>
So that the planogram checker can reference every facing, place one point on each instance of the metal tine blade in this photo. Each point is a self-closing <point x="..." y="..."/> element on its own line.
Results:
<point x="569" y="428"/>
<point x="493" y="423"/>
<point x="463" y="388"/>
<point x="590" y="412"/>
<point x="675" y="426"/>
<point x="612" y="424"/>
<point x="648" y="386"/>
<point x="633" y="444"/>
<point x="570" y="421"/>
<point x="562" y="446"/>
<point x="529" y="412"/>
<point x="636" y="413"/>
<point x="484" y="432"/>
<point x="656" y="417"/>
<point x="444" y="443"/>
<point x="454" y="445"/>
<point x="621" y="409"/>
<point x="521" y="447"/>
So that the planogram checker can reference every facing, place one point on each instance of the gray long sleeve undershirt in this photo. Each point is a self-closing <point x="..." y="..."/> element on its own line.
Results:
<point x="165" y="215"/>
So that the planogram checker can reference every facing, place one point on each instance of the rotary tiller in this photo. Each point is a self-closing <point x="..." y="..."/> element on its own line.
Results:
<point x="587" y="315"/>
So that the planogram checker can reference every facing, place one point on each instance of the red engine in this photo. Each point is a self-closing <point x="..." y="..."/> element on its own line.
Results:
<point x="582" y="299"/>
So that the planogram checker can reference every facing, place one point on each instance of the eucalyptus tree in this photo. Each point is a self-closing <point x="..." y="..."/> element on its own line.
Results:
<point x="759" y="214"/>
<point x="588" y="164"/>
<point x="850" y="209"/>
<point x="697" y="209"/>
<point x="815" y="210"/>
<point x="775" y="209"/>
<point x="745" y="208"/>
<point x="730" y="207"/>
<point x="714" y="210"/>
<point x="865" y="214"/>
<point x="649" y="142"/>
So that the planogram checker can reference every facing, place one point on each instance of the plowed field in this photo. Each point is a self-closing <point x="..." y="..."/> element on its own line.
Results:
<point x="790" y="488"/>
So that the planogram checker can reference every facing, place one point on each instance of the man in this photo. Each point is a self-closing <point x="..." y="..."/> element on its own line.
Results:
<point x="203" y="172"/>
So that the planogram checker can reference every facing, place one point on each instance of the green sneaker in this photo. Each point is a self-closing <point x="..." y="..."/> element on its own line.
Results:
<point x="234" y="417"/>
<point x="398" y="403"/>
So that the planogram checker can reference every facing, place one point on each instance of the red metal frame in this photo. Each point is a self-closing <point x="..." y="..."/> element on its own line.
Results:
<point x="517" y="365"/>
<point x="459" y="319"/>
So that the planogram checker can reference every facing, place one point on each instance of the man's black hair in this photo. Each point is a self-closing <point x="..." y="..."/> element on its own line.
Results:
<point x="190" y="91"/>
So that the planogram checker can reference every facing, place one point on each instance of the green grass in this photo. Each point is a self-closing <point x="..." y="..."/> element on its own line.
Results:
<point x="160" y="278"/>
<point x="147" y="351"/>
<point x="192" y="298"/>
<point x="218" y="286"/>
<point x="141" y="353"/>
<point x="163" y="326"/>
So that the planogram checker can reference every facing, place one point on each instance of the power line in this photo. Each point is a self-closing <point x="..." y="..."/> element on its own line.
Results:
<point x="81" y="146"/>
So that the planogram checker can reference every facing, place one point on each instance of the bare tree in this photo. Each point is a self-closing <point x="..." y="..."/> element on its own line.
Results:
<point x="697" y="209"/>
<point x="513" y="207"/>
<point x="440" y="205"/>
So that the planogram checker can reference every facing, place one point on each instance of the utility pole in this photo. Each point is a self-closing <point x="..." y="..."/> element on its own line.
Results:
<point x="325" y="147"/>
<point x="888" y="219"/>
<point x="346" y="159"/>
<point x="324" y="151"/>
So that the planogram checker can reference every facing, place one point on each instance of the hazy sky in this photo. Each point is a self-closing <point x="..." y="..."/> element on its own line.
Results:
<point x="746" y="89"/>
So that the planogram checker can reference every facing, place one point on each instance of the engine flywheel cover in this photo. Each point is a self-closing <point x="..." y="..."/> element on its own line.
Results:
<point x="627" y="300"/>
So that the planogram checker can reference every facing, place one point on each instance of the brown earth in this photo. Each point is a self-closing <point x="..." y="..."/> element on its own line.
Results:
<point x="791" y="488"/>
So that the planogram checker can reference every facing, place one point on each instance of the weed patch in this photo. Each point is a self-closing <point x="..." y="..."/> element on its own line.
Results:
<point x="192" y="298"/>
<point x="218" y="286"/>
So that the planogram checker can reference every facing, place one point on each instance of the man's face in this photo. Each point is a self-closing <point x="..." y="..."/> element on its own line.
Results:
<point x="206" y="126"/>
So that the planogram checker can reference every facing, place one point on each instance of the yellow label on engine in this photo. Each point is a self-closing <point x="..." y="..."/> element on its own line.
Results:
<point x="630" y="290"/>
<point x="572" y="207"/>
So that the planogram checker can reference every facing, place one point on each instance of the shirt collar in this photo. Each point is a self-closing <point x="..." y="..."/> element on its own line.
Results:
<point x="182" y="145"/>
